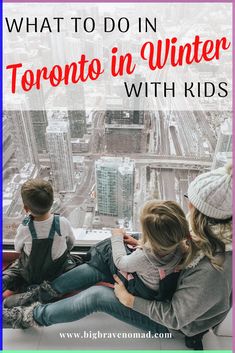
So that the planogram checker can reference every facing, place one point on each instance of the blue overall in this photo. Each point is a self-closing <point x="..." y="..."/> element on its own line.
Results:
<point x="39" y="265"/>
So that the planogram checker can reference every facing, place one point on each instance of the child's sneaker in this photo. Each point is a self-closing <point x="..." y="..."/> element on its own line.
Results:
<point x="42" y="293"/>
<point x="19" y="317"/>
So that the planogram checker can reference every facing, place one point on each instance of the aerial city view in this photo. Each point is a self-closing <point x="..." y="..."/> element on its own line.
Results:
<point x="105" y="164"/>
<point x="104" y="153"/>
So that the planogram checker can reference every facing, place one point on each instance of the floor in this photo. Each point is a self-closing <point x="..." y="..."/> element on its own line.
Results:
<point x="48" y="338"/>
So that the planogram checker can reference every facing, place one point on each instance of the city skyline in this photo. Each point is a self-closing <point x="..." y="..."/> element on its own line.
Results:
<point x="171" y="150"/>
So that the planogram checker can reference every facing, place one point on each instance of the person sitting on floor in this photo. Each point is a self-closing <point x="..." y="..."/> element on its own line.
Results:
<point x="43" y="240"/>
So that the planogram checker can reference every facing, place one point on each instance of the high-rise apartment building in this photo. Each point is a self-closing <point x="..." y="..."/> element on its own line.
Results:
<point x="115" y="186"/>
<point x="126" y="189"/>
<point x="60" y="153"/>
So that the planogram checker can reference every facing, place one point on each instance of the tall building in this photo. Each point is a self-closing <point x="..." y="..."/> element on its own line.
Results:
<point x="60" y="153"/>
<point x="39" y="117"/>
<point x="126" y="189"/>
<point x="125" y="117"/>
<point x="23" y="136"/>
<point x="8" y="146"/>
<point x="125" y="130"/>
<point x="115" y="186"/>
<point x="76" y="111"/>
<point x="77" y="122"/>
<point x="76" y="119"/>
<point x="223" y="150"/>
<point x="39" y="120"/>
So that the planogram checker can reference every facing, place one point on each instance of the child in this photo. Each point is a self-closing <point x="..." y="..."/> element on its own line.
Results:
<point x="152" y="270"/>
<point x="204" y="291"/>
<point x="43" y="240"/>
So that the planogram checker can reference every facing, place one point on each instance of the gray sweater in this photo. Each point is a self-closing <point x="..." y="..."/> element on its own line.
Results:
<point x="143" y="262"/>
<point x="201" y="301"/>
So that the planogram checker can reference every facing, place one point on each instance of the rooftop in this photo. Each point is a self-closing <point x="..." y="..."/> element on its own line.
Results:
<point x="117" y="162"/>
<point x="57" y="126"/>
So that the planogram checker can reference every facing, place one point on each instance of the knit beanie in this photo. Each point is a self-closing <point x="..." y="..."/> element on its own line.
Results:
<point x="211" y="193"/>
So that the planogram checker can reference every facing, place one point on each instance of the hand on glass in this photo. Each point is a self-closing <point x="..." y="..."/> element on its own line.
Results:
<point x="122" y="294"/>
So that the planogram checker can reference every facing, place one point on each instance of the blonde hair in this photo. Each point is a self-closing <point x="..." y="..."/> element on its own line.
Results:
<point x="205" y="240"/>
<point x="164" y="228"/>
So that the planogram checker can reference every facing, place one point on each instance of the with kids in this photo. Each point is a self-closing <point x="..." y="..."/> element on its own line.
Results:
<point x="175" y="277"/>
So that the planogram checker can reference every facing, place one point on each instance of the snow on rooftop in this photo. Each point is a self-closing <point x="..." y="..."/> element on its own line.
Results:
<point x="57" y="126"/>
<point x="115" y="161"/>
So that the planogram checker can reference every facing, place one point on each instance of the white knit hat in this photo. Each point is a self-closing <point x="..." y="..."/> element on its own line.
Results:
<point x="211" y="193"/>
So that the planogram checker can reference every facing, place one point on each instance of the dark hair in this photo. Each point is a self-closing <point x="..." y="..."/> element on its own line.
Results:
<point x="37" y="195"/>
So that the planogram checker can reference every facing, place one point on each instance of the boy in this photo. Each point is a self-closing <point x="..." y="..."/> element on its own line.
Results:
<point x="43" y="240"/>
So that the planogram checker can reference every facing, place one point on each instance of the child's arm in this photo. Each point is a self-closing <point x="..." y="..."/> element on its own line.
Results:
<point x="128" y="263"/>
<point x="19" y="239"/>
<point x="128" y="239"/>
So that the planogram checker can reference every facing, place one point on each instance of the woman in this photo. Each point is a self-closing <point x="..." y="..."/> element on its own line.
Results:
<point x="202" y="298"/>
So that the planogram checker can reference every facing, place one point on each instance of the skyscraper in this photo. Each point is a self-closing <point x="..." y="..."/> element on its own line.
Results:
<point x="8" y="146"/>
<point x="23" y="136"/>
<point x="60" y="153"/>
<point x="115" y="186"/>
<point x="39" y="117"/>
<point x="125" y="131"/>
<point x="77" y="117"/>
<point x="39" y="120"/>
<point x="126" y="189"/>
<point x="223" y="150"/>
<point x="77" y="121"/>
